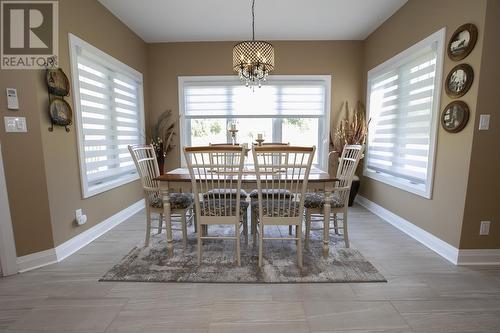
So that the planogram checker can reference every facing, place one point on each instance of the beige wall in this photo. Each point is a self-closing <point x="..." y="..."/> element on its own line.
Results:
<point x="443" y="214"/>
<point x="167" y="61"/>
<point x="25" y="168"/>
<point x="42" y="168"/>
<point x="482" y="192"/>
<point x="107" y="33"/>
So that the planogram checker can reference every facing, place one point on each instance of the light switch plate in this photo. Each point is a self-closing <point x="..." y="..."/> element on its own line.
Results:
<point x="484" y="229"/>
<point x="15" y="124"/>
<point x="484" y="122"/>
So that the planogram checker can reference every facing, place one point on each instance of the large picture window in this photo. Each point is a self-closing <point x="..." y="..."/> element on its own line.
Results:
<point x="293" y="109"/>
<point x="403" y="104"/>
<point x="108" y="98"/>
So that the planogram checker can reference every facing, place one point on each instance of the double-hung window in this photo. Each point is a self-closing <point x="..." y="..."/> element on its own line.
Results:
<point x="403" y="104"/>
<point x="288" y="108"/>
<point x="108" y="98"/>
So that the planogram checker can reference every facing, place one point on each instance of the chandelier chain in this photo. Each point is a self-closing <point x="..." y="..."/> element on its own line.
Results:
<point x="253" y="19"/>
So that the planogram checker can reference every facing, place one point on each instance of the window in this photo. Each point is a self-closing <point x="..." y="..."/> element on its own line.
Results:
<point x="403" y="104"/>
<point x="292" y="109"/>
<point x="109" y="109"/>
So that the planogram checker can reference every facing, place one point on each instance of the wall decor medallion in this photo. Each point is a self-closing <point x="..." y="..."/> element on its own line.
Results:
<point x="57" y="82"/>
<point x="455" y="116"/>
<point x="459" y="80"/>
<point x="462" y="42"/>
<point x="58" y="87"/>
<point x="60" y="113"/>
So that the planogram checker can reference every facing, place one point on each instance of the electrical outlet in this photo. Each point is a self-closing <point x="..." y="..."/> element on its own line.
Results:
<point x="80" y="218"/>
<point x="485" y="228"/>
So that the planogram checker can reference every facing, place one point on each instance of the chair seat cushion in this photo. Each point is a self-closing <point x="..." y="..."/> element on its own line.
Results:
<point x="177" y="201"/>
<point x="221" y="207"/>
<point x="277" y="208"/>
<point x="224" y="194"/>
<point x="272" y="194"/>
<point x="317" y="200"/>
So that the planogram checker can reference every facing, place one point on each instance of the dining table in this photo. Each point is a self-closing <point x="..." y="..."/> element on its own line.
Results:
<point x="179" y="180"/>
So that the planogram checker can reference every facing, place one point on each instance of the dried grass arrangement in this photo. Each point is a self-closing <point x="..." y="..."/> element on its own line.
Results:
<point x="162" y="133"/>
<point x="352" y="128"/>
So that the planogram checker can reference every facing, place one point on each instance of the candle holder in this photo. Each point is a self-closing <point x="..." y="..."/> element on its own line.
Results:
<point x="233" y="135"/>
<point x="259" y="142"/>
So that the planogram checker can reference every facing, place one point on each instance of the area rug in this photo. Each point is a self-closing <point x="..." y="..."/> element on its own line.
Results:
<point x="151" y="264"/>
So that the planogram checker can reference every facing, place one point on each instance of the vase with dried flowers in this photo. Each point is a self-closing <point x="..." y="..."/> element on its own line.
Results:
<point x="162" y="133"/>
<point x="352" y="129"/>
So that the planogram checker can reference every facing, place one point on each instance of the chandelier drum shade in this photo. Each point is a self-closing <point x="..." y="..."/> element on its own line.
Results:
<point x="253" y="60"/>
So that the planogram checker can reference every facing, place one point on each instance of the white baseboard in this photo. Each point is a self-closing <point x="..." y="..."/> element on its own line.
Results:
<point x="76" y="243"/>
<point x="434" y="243"/>
<point x="51" y="256"/>
<point x="479" y="257"/>
<point x="447" y="251"/>
<point x="36" y="260"/>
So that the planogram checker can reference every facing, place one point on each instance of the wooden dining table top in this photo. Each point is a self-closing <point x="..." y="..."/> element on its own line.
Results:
<point x="182" y="175"/>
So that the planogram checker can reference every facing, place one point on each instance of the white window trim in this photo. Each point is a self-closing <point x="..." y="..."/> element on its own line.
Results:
<point x="327" y="79"/>
<point x="119" y="66"/>
<point x="439" y="37"/>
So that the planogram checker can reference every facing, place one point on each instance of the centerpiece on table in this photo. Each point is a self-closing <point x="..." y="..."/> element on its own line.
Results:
<point x="162" y="133"/>
<point x="352" y="129"/>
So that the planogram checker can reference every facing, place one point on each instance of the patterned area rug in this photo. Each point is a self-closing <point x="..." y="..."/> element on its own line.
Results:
<point x="151" y="264"/>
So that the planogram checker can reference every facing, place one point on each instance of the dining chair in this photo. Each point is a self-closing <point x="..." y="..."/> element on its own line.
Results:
<point x="278" y="169"/>
<point x="217" y="168"/>
<point x="254" y="195"/>
<point x="144" y="157"/>
<point x="231" y="193"/>
<point x="314" y="202"/>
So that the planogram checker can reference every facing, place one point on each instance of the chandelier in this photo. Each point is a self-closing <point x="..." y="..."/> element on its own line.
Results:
<point x="253" y="60"/>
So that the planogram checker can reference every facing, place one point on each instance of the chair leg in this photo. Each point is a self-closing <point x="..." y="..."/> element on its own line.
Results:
<point x="299" y="246"/>
<point x="237" y="234"/>
<point x="148" y="226"/>
<point x="308" y="228"/>
<point x="160" y="223"/>
<point x="346" y="234"/>
<point x="253" y="227"/>
<point x="193" y="212"/>
<point x="200" y="244"/>
<point x="335" y="223"/>
<point x="245" y="227"/>
<point x="296" y="235"/>
<point x="184" y="228"/>
<point x="261" y="242"/>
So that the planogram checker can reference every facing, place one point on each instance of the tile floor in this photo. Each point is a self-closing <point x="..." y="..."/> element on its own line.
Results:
<point x="425" y="293"/>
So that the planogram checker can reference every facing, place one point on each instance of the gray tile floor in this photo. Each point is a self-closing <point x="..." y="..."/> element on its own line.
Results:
<point x="425" y="293"/>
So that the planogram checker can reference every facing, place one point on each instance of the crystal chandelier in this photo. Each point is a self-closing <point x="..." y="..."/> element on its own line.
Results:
<point x="253" y="60"/>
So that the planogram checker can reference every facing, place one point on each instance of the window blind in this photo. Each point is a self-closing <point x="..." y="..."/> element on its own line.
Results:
<point x="401" y="108"/>
<point x="277" y="99"/>
<point x="110" y="119"/>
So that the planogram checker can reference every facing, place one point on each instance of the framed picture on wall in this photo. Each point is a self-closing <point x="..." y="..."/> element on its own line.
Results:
<point x="455" y="116"/>
<point x="459" y="80"/>
<point x="462" y="42"/>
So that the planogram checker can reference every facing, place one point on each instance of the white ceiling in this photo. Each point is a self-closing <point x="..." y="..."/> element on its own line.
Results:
<point x="230" y="20"/>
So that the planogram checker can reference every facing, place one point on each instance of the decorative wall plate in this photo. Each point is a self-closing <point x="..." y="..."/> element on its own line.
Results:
<point x="459" y="80"/>
<point x="455" y="116"/>
<point x="462" y="42"/>
<point x="60" y="112"/>
<point x="57" y="82"/>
